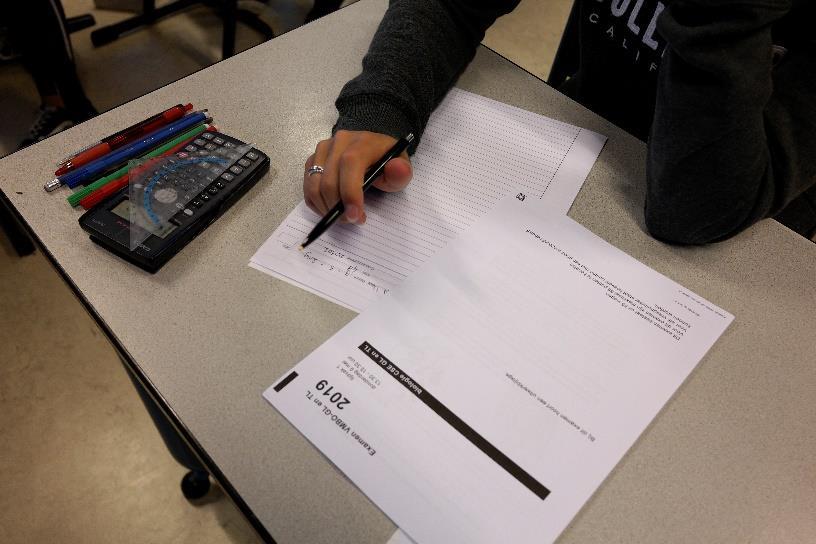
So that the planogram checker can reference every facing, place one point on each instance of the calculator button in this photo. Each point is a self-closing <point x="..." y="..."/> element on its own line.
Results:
<point x="219" y="141"/>
<point x="175" y="221"/>
<point x="182" y="155"/>
<point x="212" y="190"/>
<point x="226" y="176"/>
<point x="190" y="148"/>
<point x="210" y="146"/>
<point x="244" y="162"/>
<point x="252" y="155"/>
<point x="188" y="212"/>
<point x="236" y="170"/>
<point x="219" y="185"/>
<point x="199" y="141"/>
<point x="197" y="203"/>
<point x="204" y="196"/>
<point x="207" y="135"/>
<point x="229" y="144"/>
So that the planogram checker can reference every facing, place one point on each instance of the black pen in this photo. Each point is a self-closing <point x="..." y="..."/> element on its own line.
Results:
<point x="371" y="174"/>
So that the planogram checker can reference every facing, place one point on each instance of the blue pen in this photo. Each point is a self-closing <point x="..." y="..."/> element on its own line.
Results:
<point x="97" y="167"/>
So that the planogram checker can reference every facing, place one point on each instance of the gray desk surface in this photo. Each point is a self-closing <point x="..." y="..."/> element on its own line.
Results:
<point x="730" y="458"/>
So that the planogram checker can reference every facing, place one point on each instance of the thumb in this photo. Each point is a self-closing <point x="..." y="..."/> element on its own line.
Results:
<point x="396" y="174"/>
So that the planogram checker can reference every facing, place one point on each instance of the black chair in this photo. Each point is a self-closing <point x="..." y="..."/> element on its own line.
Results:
<point x="75" y="24"/>
<point x="229" y="11"/>
<point x="321" y="8"/>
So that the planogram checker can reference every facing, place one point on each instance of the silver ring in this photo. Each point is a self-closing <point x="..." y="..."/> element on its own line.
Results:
<point x="315" y="170"/>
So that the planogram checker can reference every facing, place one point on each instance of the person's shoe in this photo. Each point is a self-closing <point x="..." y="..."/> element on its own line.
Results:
<point x="48" y="122"/>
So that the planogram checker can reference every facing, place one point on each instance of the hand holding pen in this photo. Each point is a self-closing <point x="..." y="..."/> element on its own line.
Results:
<point x="334" y="173"/>
<point x="342" y="161"/>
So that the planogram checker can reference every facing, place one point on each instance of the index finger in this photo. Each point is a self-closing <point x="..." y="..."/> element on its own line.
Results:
<point x="353" y="164"/>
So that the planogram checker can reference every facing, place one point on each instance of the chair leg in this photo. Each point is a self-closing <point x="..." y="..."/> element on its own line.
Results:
<point x="229" y="18"/>
<point x="251" y="20"/>
<point x="150" y="14"/>
<point x="229" y="15"/>
<point x="323" y="7"/>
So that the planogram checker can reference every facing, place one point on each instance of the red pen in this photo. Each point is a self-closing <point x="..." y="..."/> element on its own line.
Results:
<point x="123" y="137"/>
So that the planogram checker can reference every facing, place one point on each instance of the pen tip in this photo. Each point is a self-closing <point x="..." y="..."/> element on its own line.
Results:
<point x="301" y="247"/>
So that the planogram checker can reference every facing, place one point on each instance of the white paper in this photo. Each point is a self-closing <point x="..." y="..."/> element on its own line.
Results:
<point x="399" y="537"/>
<point x="474" y="152"/>
<point x="553" y="346"/>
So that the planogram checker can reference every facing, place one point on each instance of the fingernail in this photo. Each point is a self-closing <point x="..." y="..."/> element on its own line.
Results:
<point x="352" y="213"/>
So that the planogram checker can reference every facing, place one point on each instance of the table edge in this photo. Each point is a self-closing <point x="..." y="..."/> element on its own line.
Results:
<point x="163" y="405"/>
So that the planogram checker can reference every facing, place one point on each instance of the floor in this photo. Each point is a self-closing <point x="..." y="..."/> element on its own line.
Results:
<point x="79" y="457"/>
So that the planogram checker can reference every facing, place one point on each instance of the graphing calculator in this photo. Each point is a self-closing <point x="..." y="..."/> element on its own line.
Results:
<point x="153" y="218"/>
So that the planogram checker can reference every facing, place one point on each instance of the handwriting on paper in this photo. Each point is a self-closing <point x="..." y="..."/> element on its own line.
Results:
<point x="335" y="261"/>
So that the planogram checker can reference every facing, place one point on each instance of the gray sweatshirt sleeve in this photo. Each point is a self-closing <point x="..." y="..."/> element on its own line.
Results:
<point x="419" y="50"/>
<point x="733" y="137"/>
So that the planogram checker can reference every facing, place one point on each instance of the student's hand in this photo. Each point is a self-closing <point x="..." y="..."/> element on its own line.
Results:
<point x="345" y="159"/>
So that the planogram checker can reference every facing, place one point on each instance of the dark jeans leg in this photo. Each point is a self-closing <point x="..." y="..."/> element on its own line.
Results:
<point x="38" y="29"/>
<point x="179" y="449"/>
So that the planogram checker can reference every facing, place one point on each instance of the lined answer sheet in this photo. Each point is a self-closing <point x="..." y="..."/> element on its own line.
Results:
<point x="474" y="152"/>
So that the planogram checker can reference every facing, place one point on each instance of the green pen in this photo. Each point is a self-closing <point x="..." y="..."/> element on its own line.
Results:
<point x="74" y="198"/>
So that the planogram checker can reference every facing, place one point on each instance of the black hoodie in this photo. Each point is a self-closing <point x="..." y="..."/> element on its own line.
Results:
<point x="723" y="90"/>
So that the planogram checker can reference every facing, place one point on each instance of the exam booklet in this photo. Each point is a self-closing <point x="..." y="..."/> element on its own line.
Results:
<point x="487" y="398"/>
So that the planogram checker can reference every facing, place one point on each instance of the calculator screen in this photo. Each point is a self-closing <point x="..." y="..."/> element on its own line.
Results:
<point x="123" y="210"/>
